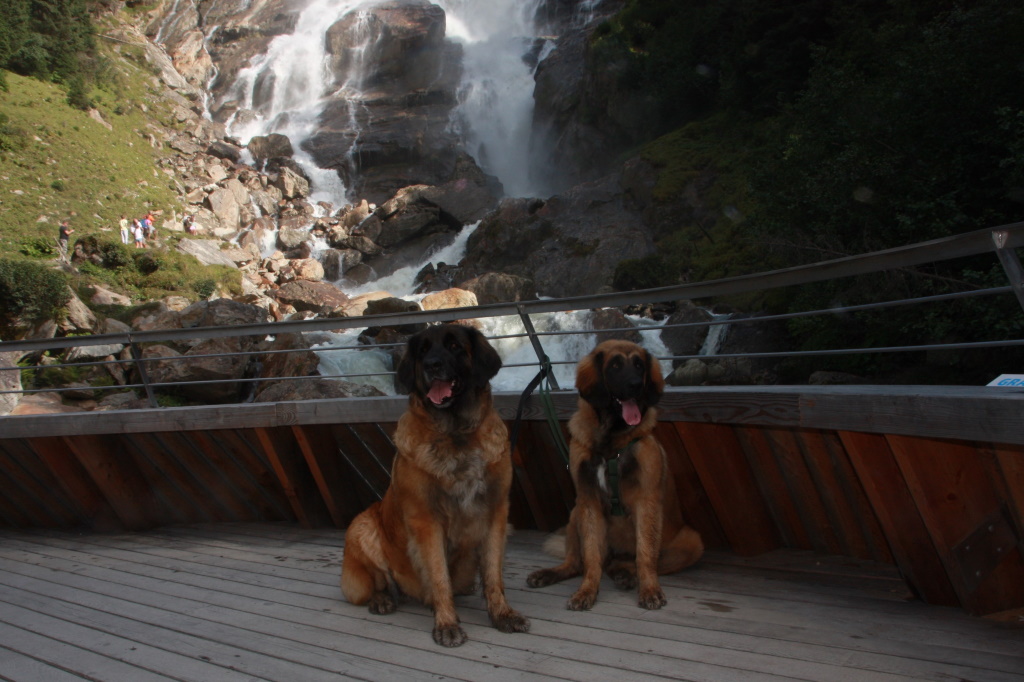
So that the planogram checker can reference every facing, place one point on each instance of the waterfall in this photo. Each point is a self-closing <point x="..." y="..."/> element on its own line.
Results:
<point x="284" y="91"/>
<point x="716" y="335"/>
<point x="495" y="113"/>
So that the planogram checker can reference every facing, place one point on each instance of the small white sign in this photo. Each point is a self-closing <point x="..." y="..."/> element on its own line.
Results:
<point x="1012" y="380"/>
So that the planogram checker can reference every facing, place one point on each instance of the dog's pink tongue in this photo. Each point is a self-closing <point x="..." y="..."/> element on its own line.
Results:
<point x="439" y="390"/>
<point x="630" y="412"/>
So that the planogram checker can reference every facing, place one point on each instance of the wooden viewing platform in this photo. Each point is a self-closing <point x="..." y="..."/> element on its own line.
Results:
<point x="854" y="532"/>
<point x="262" y="602"/>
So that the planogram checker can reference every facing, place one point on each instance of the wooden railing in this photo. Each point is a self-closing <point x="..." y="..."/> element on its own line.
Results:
<point x="930" y="478"/>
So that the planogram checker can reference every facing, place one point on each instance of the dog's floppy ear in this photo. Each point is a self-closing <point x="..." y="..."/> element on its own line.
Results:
<point x="590" y="378"/>
<point x="406" y="372"/>
<point x="486" y="361"/>
<point x="654" y="385"/>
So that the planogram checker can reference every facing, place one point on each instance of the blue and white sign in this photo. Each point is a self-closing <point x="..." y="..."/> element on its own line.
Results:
<point x="1011" y="380"/>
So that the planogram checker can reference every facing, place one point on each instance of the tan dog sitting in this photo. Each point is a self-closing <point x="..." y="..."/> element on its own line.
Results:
<point x="627" y="518"/>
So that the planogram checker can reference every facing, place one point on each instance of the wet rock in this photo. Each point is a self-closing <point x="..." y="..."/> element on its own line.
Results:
<point x="498" y="287"/>
<point x="317" y="297"/>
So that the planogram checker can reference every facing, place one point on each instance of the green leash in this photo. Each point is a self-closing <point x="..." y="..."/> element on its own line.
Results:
<point x="612" y="476"/>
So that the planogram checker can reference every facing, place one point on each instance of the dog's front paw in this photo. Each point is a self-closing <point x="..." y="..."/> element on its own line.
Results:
<point x="581" y="601"/>
<point x="542" y="578"/>
<point x="382" y="604"/>
<point x="449" y="635"/>
<point x="511" y="621"/>
<point x="652" y="599"/>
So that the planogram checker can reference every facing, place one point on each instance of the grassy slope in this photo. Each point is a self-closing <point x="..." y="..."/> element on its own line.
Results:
<point x="67" y="164"/>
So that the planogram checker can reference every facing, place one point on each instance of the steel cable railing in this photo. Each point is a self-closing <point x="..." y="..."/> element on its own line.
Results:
<point x="1002" y="241"/>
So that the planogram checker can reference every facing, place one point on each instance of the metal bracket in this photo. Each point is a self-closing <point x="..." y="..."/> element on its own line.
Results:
<point x="537" y="348"/>
<point x="141" y="365"/>
<point x="1011" y="264"/>
<point x="984" y="548"/>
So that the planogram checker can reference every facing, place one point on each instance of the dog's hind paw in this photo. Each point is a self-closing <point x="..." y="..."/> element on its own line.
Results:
<point x="382" y="604"/>
<point x="652" y="599"/>
<point x="512" y="621"/>
<point x="624" y="579"/>
<point x="449" y="635"/>
<point x="543" y="578"/>
<point x="581" y="601"/>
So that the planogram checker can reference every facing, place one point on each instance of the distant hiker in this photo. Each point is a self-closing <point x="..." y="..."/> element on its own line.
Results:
<point x="125" y="233"/>
<point x="189" y="223"/>
<point x="140" y="236"/>
<point x="62" y="239"/>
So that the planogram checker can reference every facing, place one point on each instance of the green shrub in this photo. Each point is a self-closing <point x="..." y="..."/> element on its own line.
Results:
<point x="37" y="247"/>
<point x="31" y="291"/>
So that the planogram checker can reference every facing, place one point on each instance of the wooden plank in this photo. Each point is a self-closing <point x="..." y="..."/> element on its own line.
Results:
<point x="1009" y="461"/>
<point x="38" y="482"/>
<point x="118" y="478"/>
<point x="167" y="480"/>
<point x="320" y="451"/>
<point x="76" y="483"/>
<point x="362" y="459"/>
<point x="294" y="476"/>
<point x="231" y="504"/>
<point x="63" y="657"/>
<point x="552" y="484"/>
<point x="928" y="412"/>
<point x="804" y="456"/>
<point x="725" y="475"/>
<point x="19" y="667"/>
<point x="955" y="496"/>
<point x="693" y="499"/>
<point x="28" y="506"/>
<point x="894" y="505"/>
<point x="969" y="413"/>
<point x="248" y="474"/>
<point x="864" y="515"/>
<point x="780" y="499"/>
<point x="242" y="447"/>
<point x="369" y="479"/>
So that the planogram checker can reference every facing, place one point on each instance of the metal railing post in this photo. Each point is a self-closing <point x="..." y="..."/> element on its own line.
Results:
<point x="1011" y="264"/>
<point x="537" y="348"/>
<point x="141" y="366"/>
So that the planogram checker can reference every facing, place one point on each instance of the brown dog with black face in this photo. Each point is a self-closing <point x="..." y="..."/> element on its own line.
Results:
<point x="443" y="518"/>
<point x="632" y="527"/>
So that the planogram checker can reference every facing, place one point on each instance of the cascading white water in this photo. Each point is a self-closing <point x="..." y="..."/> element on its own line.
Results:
<point x="716" y="335"/>
<point x="495" y="113"/>
<point x="496" y="96"/>
<point x="294" y="70"/>
<point x="285" y="90"/>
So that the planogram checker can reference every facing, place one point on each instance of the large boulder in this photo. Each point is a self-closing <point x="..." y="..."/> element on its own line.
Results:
<point x="196" y="365"/>
<point x="568" y="245"/>
<point x="206" y="251"/>
<point x="396" y="43"/>
<point x="589" y="110"/>
<point x="317" y="297"/>
<point x="499" y="287"/>
<point x="390" y="126"/>
<point x="315" y="389"/>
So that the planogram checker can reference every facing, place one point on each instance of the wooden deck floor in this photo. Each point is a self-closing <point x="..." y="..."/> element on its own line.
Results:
<point x="247" y="601"/>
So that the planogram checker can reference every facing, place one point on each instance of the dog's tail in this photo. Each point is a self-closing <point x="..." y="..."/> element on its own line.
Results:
<point x="554" y="544"/>
<point x="682" y="551"/>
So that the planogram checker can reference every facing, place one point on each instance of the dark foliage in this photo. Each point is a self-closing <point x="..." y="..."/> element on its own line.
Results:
<point x="30" y="292"/>
<point x="50" y="40"/>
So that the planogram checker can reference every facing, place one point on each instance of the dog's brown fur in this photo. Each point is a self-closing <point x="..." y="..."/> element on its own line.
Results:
<point x="443" y="518"/>
<point x="619" y="383"/>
